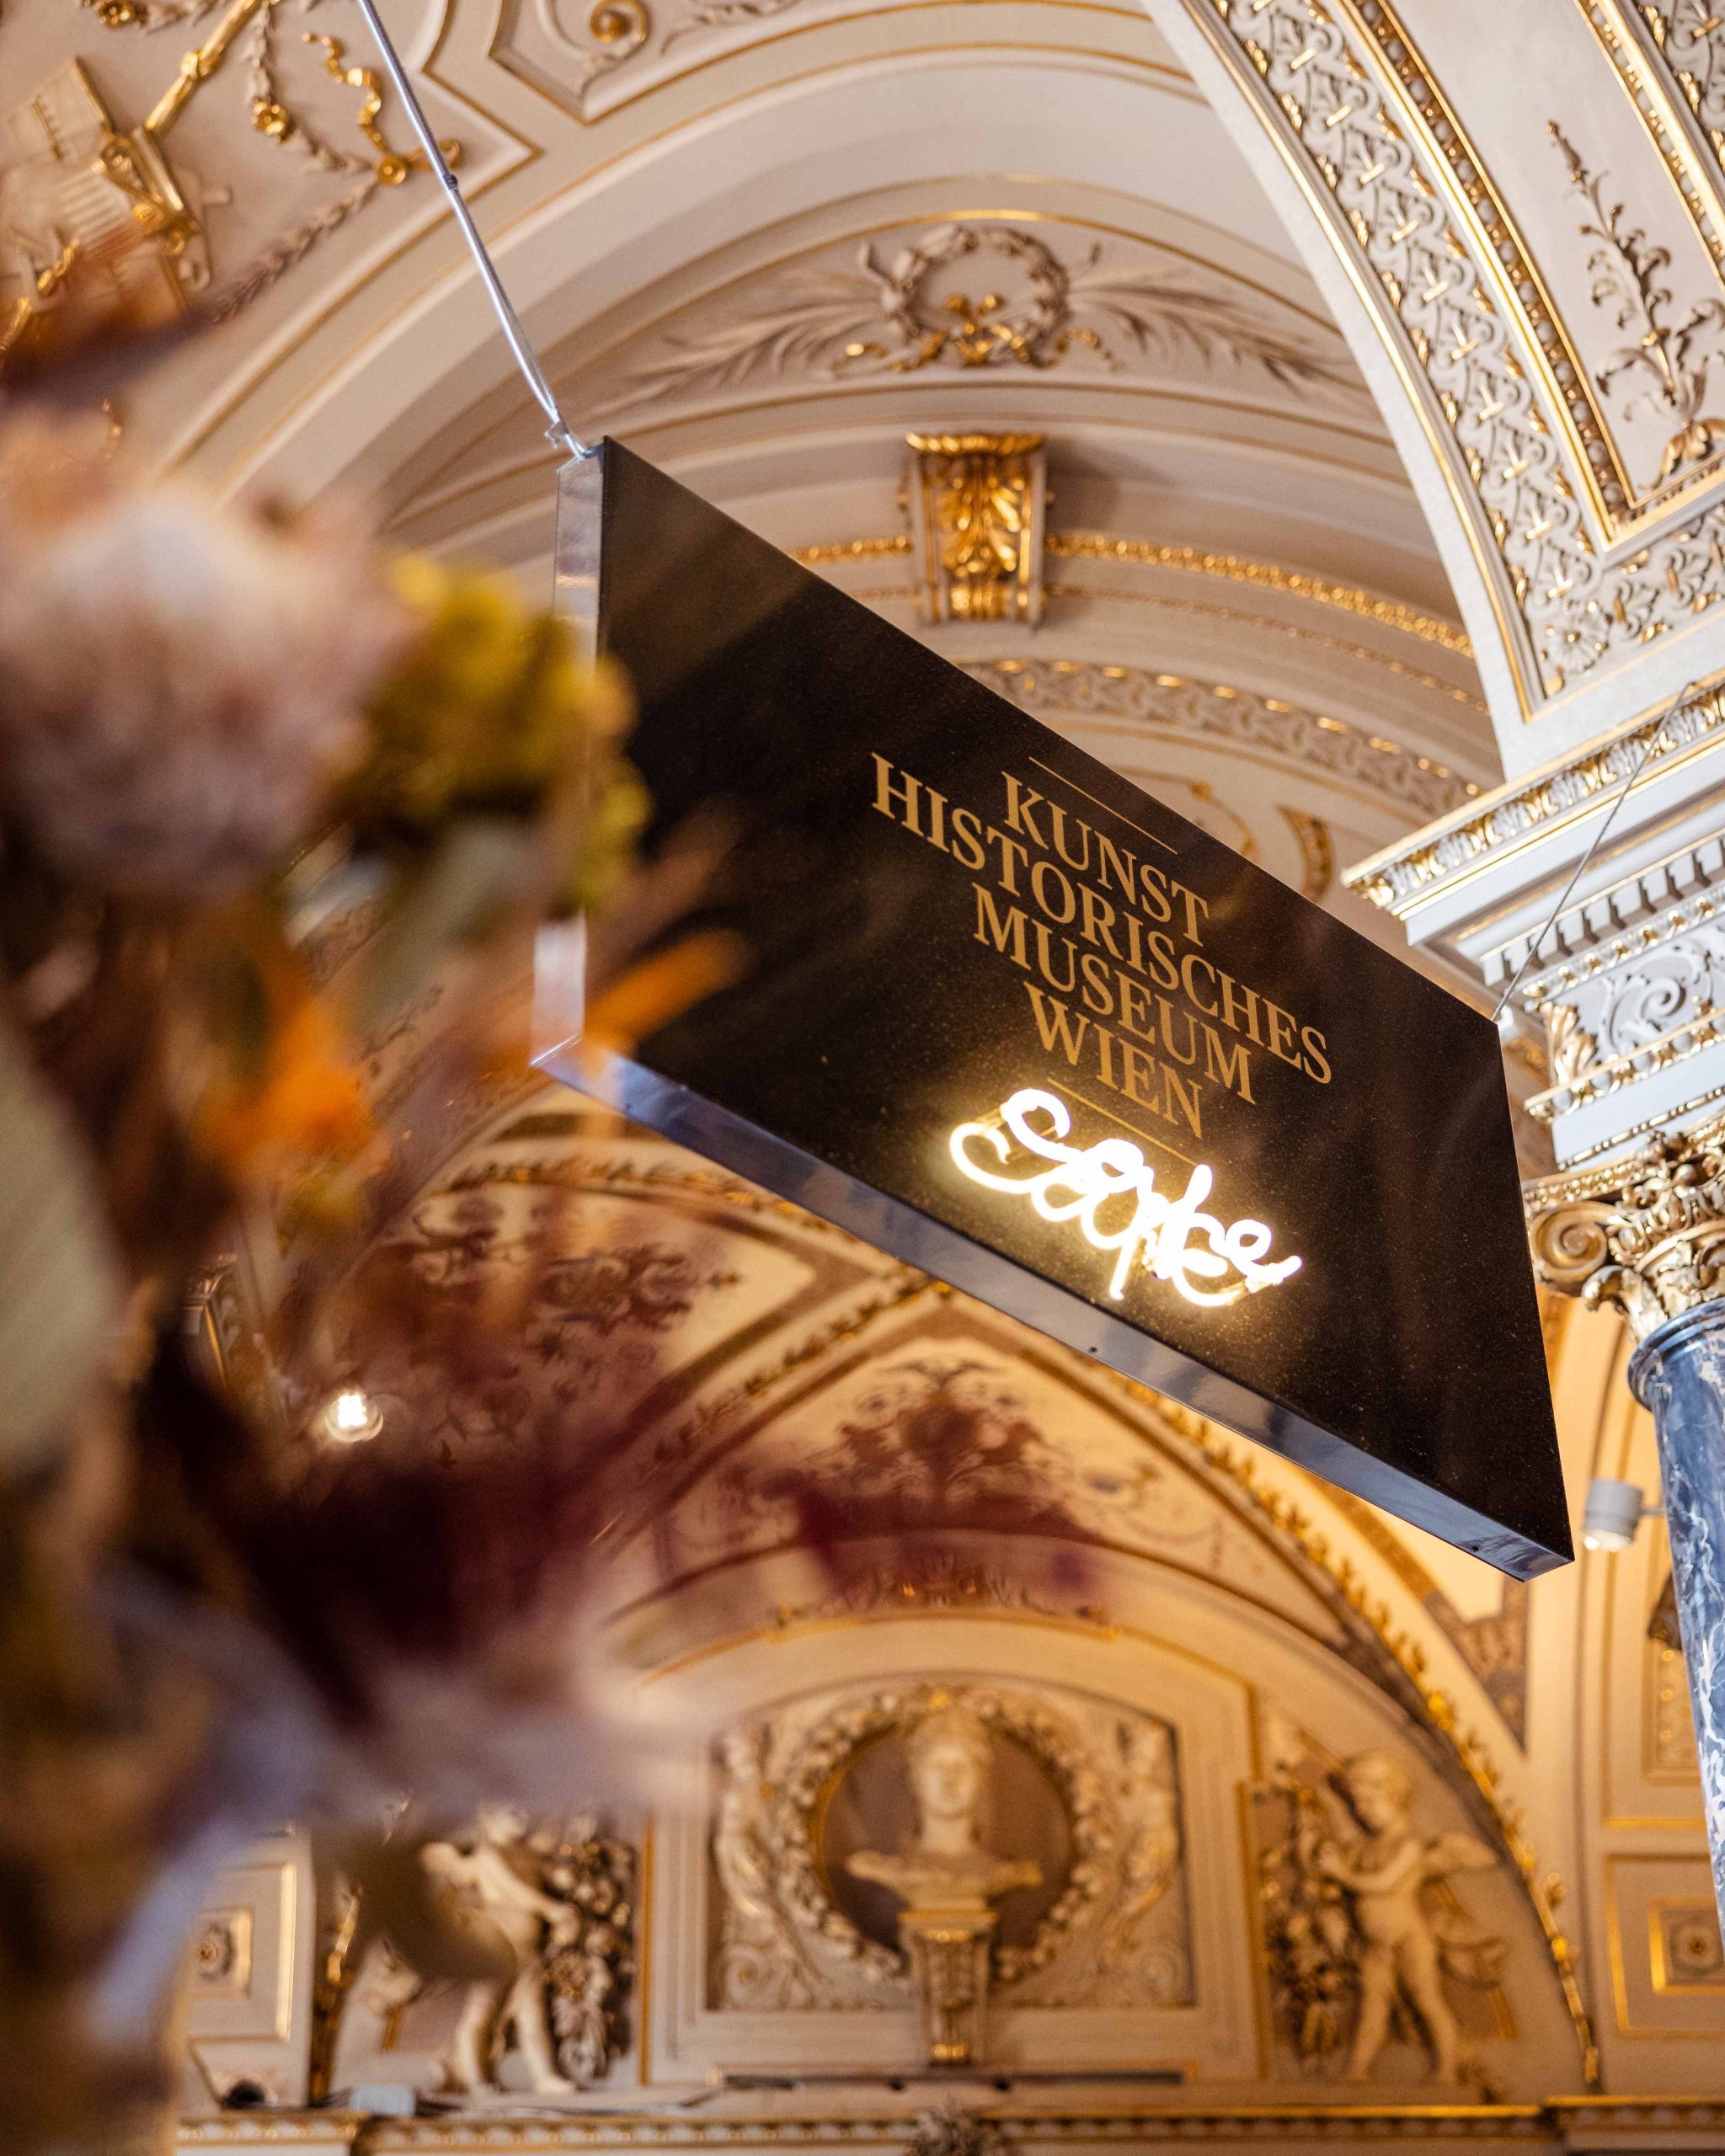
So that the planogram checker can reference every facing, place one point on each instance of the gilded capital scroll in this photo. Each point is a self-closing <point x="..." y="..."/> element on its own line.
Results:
<point x="1646" y="1233"/>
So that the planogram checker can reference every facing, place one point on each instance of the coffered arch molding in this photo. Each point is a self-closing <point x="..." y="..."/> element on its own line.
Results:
<point x="1357" y="121"/>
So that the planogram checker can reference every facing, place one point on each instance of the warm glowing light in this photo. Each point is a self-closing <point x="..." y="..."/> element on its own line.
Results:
<point x="350" y="1415"/>
<point x="1081" y="1185"/>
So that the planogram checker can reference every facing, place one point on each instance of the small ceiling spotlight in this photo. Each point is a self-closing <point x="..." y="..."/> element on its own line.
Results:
<point x="1507" y="1021"/>
<point x="1615" y="1510"/>
<point x="351" y="1416"/>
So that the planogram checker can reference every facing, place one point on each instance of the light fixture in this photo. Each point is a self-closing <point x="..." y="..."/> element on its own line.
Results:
<point x="1615" y="1510"/>
<point x="349" y="1417"/>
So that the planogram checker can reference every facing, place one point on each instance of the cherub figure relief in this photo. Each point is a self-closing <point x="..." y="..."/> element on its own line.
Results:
<point x="494" y="1884"/>
<point x="1357" y="1901"/>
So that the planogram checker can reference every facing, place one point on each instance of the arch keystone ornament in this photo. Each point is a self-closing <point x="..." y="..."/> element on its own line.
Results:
<point x="1179" y="1076"/>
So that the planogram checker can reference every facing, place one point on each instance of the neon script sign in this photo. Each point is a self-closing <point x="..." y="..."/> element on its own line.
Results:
<point x="1159" y="1231"/>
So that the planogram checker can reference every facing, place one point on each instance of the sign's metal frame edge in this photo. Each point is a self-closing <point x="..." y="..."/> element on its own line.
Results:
<point x="891" y="1224"/>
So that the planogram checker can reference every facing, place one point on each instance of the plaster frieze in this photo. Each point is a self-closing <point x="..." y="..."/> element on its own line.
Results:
<point x="984" y="295"/>
<point x="1224" y="712"/>
<point x="1491" y="832"/>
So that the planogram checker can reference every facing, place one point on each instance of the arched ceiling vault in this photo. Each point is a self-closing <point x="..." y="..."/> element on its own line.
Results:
<point x="811" y="1435"/>
<point x="1531" y="309"/>
<point x="1356" y="504"/>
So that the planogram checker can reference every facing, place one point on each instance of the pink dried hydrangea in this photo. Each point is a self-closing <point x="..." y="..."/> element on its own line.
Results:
<point x="180" y="680"/>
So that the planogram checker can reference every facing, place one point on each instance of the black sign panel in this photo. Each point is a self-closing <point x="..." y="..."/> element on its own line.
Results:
<point x="1015" y="1021"/>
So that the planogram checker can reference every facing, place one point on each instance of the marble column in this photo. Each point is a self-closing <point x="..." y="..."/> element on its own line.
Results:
<point x="1678" y="1374"/>
<point x="1648" y="1235"/>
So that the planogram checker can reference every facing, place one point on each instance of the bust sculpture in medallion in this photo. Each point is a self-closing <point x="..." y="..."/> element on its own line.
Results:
<point x="946" y="1865"/>
<point x="945" y="1876"/>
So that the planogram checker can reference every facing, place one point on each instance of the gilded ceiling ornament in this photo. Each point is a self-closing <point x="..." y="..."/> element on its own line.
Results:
<point x="976" y="503"/>
<point x="247" y="28"/>
<point x="96" y="234"/>
<point x="615" y="32"/>
<point x="620" y="29"/>
<point x="984" y="295"/>
<point x="1571" y="1049"/>
<point x="1317" y="851"/>
<point x="1668" y="360"/>
<point x="1271" y="576"/>
<point x="1645" y="1234"/>
<point x="393" y="166"/>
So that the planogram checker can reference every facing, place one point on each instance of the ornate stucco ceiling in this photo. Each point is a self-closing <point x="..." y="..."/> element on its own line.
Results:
<point x="1325" y="376"/>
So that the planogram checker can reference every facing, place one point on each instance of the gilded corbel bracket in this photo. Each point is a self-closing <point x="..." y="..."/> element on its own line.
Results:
<point x="977" y="505"/>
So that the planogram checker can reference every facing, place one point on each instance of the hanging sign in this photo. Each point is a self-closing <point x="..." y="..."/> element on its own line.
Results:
<point x="1004" y="1015"/>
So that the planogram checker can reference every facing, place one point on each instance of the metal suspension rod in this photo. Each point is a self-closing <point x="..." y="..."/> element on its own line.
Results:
<point x="1669" y="712"/>
<point x="559" y="431"/>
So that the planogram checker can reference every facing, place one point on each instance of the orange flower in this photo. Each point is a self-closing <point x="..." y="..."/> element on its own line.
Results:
<point x="305" y="1103"/>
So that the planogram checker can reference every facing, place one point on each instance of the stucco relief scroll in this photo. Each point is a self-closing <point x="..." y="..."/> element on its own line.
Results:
<point x="1665" y="363"/>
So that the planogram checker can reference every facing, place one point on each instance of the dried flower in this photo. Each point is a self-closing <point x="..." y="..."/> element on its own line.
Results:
<point x="493" y="715"/>
<point x="484" y="716"/>
<point x="180" y="681"/>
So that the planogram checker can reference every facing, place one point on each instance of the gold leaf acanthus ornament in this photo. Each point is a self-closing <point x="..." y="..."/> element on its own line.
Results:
<point x="976" y="503"/>
<point x="1645" y="1235"/>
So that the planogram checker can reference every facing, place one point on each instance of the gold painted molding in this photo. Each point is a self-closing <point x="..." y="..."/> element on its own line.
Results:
<point x="1269" y="576"/>
<point x="1198" y="561"/>
<point x="1501" y="825"/>
<point x="1552" y="2123"/>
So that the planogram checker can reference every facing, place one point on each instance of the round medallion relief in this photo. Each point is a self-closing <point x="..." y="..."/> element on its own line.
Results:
<point x="850" y="1790"/>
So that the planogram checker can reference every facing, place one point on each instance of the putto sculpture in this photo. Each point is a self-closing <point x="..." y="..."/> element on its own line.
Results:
<point x="551" y="1907"/>
<point x="1360" y="1915"/>
<point x="491" y="1886"/>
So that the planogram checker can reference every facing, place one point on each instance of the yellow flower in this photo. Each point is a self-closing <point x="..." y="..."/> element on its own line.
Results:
<point x="488" y="713"/>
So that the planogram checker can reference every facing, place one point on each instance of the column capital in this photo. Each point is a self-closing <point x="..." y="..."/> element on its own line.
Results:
<point x="1645" y="1232"/>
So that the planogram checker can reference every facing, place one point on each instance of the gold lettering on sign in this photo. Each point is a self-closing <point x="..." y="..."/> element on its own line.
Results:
<point x="1123" y="978"/>
<point x="1109" y="1189"/>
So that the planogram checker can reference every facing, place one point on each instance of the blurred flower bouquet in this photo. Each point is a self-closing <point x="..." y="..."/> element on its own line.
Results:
<point x="222" y="731"/>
